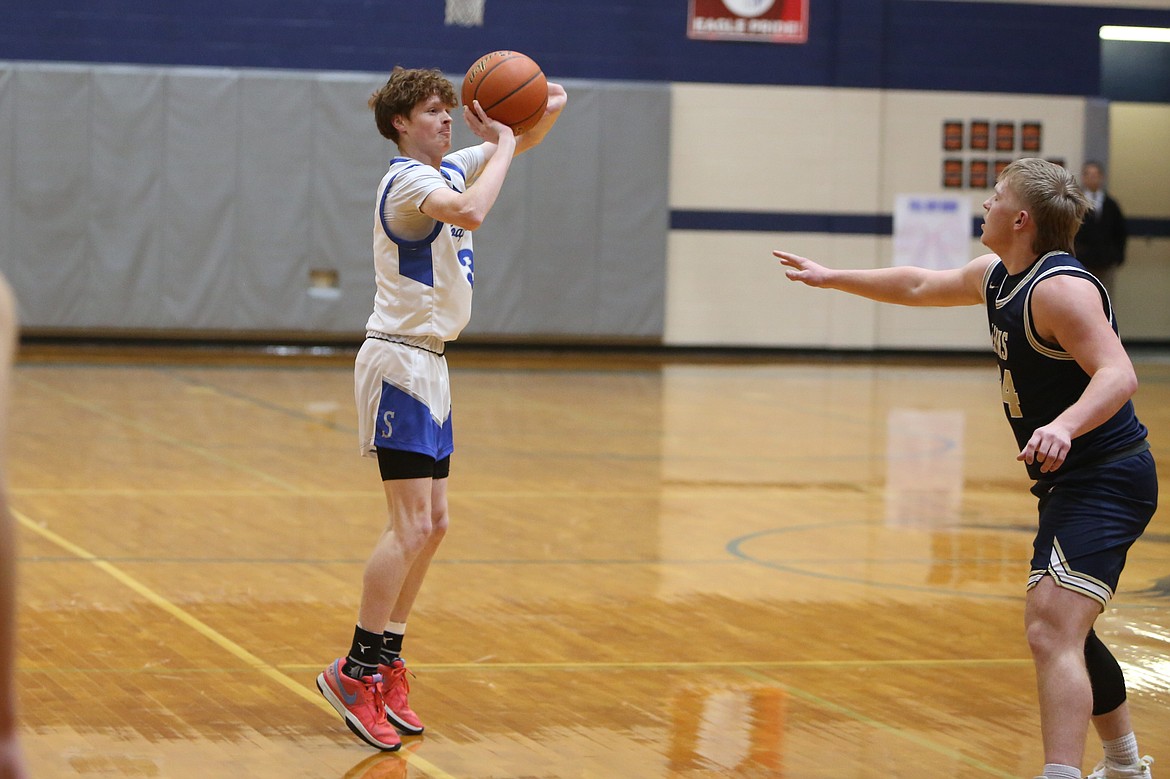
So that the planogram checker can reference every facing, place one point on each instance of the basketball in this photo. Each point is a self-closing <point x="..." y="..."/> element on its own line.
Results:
<point x="510" y="87"/>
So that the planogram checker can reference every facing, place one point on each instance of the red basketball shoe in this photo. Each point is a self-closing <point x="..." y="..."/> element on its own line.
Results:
<point x="395" y="688"/>
<point x="360" y="702"/>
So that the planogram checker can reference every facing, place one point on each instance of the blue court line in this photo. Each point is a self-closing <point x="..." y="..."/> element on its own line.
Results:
<point x="735" y="548"/>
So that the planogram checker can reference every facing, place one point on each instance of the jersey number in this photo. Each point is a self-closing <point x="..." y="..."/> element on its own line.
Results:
<point x="467" y="260"/>
<point x="1011" y="398"/>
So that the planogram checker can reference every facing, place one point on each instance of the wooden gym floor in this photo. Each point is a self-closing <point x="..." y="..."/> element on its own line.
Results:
<point x="657" y="567"/>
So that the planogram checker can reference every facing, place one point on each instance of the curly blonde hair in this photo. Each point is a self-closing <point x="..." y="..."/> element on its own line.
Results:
<point x="405" y="89"/>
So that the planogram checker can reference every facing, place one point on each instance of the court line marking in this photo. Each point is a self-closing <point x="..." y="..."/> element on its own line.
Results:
<point x="735" y="546"/>
<point x="745" y="668"/>
<point x="255" y="663"/>
<point x="250" y="660"/>
<point x="275" y="674"/>
<point x="688" y="666"/>
<point x="153" y="432"/>
<point x="868" y="721"/>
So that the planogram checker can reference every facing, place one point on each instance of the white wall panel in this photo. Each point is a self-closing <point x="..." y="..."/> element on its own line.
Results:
<point x="1142" y="289"/>
<point x="911" y="131"/>
<point x="1139" y="176"/>
<point x="753" y="148"/>
<point x="728" y="289"/>
<point x="1139" y="165"/>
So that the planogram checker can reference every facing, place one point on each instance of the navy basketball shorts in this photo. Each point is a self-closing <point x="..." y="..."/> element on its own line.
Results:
<point x="1088" y="521"/>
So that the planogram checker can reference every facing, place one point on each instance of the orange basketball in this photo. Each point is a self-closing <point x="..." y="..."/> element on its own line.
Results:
<point x="510" y="87"/>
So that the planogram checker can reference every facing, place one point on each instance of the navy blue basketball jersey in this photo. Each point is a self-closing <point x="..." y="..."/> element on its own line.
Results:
<point x="1038" y="379"/>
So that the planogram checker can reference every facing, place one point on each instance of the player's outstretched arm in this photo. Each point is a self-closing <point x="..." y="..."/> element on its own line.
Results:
<point x="903" y="285"/>
<point x="557" y="98"/>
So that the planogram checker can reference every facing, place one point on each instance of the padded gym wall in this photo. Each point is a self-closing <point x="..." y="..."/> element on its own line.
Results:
<point x="182" y="199"/>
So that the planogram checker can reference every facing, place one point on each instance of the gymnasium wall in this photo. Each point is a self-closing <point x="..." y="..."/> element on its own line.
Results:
<point x="226" y="201"/>
<point x="1140" y="180"/>
<point x="836" y="153"/>
<point x="204" y="172"/>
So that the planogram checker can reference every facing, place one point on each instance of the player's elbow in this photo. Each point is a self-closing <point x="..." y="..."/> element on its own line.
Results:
<point x="1129" y="383"/>
<point x="469" y="218"/>
<point x="472" y="221"/>
<point x="1124" y="382"/>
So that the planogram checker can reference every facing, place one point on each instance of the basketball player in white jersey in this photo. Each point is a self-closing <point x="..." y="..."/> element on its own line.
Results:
<point x="427" y="205"/>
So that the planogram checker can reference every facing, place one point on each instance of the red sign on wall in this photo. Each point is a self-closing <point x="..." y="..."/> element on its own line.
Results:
<point x="766" y="21"/>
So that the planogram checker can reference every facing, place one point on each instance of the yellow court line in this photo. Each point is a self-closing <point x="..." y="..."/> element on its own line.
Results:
<point x="877" y="724"/>
<point x="131" y="492"/>
<point x="202" y="628"/>
<point x="301" y="492"/>
<point x="688" y="666"/>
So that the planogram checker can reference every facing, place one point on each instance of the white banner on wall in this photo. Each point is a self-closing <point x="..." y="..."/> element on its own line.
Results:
<point x="932" y="231"/>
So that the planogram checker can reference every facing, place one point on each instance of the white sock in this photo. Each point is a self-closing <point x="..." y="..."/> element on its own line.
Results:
<point x="1058" y="771"/>
<point x="1122" y="750"/>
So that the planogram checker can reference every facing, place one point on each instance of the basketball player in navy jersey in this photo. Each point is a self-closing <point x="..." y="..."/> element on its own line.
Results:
<point x="1066" y="383"/>
<point x="427" y="205"/>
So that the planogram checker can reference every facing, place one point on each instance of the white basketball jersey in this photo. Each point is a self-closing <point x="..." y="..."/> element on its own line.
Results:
<point x="424" y="268"/>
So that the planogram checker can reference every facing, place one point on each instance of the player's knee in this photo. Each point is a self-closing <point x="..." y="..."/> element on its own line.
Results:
<point x="412" y="529"/>
<point x="425" y="535"/>
<point x="1055" y="621"/>
<point x="439" y="523"/>
<point x="1039" y="638"/>
<point x="1046" y="636"/>
<point x="1105" y="676"/>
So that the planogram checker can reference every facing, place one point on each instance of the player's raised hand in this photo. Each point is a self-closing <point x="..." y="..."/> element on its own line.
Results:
<point x="483" y="125"/>
<point x="557" y="97"/>
<point x="802" y="269"/>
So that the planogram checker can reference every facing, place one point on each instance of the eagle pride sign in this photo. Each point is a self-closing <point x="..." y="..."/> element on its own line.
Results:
<point x="765" y="21"/>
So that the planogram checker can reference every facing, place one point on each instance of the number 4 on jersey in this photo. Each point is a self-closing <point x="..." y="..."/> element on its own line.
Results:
<point x="1007" y="392"/>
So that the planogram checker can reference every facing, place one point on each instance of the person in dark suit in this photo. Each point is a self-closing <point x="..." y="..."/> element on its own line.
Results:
<point x="1100" y="243"/>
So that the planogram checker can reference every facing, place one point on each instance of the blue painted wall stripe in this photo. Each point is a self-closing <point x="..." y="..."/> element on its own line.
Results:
<point x="1152" y="228"/>
<point x="788" y="222"/>
<point x="840" y="224"/>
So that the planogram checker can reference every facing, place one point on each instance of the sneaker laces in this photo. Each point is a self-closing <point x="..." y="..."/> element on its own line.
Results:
<point x="379" y="701"/>
<point x="397" y="686"/>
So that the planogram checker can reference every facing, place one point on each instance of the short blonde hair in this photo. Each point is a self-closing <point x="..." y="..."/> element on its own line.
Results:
<point x="1052" y="197"/>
